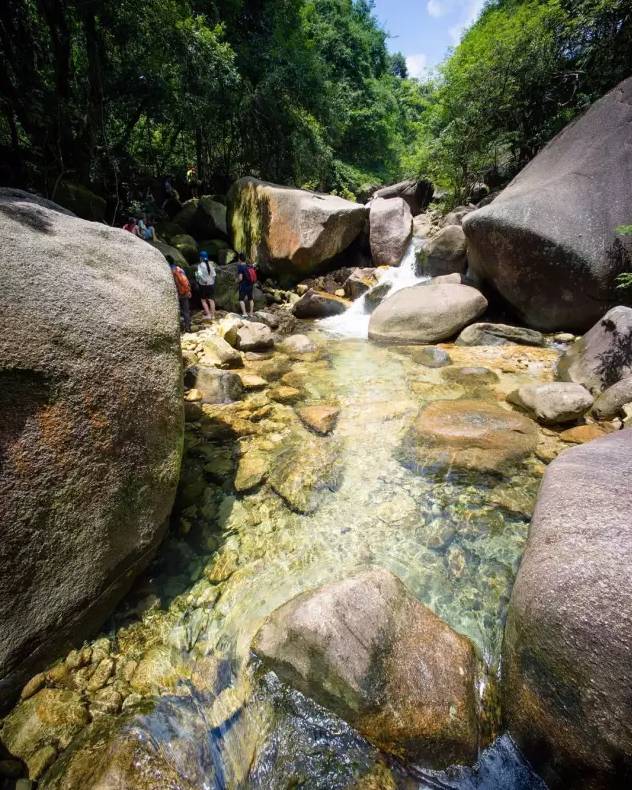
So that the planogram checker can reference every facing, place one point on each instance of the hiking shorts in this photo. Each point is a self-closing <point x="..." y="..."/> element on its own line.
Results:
<point x="207" y="291"/>
<point x="245" y="292"/>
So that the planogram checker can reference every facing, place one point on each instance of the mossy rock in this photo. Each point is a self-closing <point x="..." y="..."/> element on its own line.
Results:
<point x="187" y="246"/>
<point x="168" y="230"/>
<point x="167" y="249"/>
<point x="81" y="201"/>
<point x="213" y="247"/>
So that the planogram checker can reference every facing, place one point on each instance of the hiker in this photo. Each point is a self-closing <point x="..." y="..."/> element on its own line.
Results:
<point x="184" y="293"/>
<point x="247" y="277"/>
<point x="193" y="181"/>
<point x="205" y="276"/>
<point x="148" y="230"/>
<point x="132" y="227"/>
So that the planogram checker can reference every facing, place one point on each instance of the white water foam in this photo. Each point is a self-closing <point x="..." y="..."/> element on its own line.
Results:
<point x="355" y="321"/>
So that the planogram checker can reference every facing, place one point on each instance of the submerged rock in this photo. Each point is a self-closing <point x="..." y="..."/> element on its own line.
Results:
<point x="567" y="672"/>
<point x="217" y="386"/>
<point x="391" y="226"/>
<point x="315" y="304"/>
<point x="426" y="313"/>
<point x="603" y="355"/>
<point x="546" y="244"/>
<point x="470" y="376"/>
<point x="470" y="435"/>
<point x="499" y="335"/>
<point x="298" y="344"/>
<point x="553" y="403"/>
<point x="431" y="357"/>
<point x="291" y="232"/>
<point x="91" y="424"/>
<point x="321" y="417"/>
<point x="304" y="469"/>
<point x="367" y="650"/>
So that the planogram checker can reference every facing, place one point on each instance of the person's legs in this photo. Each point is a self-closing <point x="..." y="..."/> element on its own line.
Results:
<point x="252" y="305"/>
<point x="208" y="312"/>
<point x="242" y="304"/>
<point x="211" y="303"/>
<point x="185" y="313"/>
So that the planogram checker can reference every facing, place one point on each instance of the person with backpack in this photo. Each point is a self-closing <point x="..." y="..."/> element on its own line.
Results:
<point x="183" y="288"/>
<point x="205" y="276"/>
<point x="131" y="226"/>
<point x="247" y="277"/>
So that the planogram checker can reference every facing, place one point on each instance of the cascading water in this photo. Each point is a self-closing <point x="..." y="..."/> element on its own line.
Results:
<point x="354" y="323"/>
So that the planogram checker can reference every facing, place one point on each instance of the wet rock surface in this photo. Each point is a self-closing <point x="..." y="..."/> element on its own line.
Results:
<point x="566" y="671"/>
<point x="369" y="651"/>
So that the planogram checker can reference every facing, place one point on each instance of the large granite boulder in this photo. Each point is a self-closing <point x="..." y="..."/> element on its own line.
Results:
<point x="290" y="232"/>
<point x="470" y="435"/>
<point x="367" y="650"/>
<point x="567" y="672"/>
<point x="391" y="227"/>
<point x="548" y="244"/>
<point x="417" y="194"/>
<point x="426" y="313"/>
<point x="91" y="424"/>
<point x="445" y="253"/>
<point x="554" y="402"/>
<point x="603" y="355"/>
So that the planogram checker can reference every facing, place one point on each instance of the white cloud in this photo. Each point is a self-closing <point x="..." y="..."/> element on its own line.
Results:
<point x="436" y="8"/>
<point x="470" y="9"/>
<point x="417" y="65"/>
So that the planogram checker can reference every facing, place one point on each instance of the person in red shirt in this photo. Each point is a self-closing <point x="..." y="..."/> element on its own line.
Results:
<point x="132" y="227"/>
<point x="183" y="287"/>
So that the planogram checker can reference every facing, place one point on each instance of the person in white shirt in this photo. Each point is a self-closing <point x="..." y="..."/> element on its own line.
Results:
<point x="205" y="276"/>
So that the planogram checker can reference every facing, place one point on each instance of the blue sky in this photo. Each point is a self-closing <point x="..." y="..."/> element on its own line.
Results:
<point x="424" y="30"/>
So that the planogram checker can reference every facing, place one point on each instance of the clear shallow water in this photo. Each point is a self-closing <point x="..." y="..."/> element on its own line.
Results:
<point x="455" y="541"/>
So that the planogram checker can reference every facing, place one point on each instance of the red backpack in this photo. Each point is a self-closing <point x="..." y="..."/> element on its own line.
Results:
<point x="251" y="274"/>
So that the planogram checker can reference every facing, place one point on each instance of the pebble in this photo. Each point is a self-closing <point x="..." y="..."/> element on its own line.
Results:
<point x="33" y="686"/>
<point x="102" y="674"/>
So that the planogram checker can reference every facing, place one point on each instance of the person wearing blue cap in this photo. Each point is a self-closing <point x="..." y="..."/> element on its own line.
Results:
<point x="205" y="276"/>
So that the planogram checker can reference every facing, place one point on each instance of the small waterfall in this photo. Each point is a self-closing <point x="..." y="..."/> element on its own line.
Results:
<point x="355" y="321"/>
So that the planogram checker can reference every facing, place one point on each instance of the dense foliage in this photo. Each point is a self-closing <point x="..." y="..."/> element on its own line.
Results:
<point x="111" y="93"/>
<point x="520" y="74"/>
<point x="297" y="91"/>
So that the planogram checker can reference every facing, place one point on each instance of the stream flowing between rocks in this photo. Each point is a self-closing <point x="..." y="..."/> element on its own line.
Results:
<point x="183" y="703"/>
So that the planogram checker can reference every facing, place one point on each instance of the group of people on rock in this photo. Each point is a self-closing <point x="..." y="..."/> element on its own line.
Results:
<point x="143" y="228"/>
<point x="205" y="276"/>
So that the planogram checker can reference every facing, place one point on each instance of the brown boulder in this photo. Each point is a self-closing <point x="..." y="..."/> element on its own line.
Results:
<point x="469" y="434"/>
<point x="417" y="194"/>
<point x="369" y="651"/>
<point x="567" y="672"/>
<point x="291" y="232"/>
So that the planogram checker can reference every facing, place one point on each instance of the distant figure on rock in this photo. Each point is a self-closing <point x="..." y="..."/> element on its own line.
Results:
<point x="184" y="293"/>
<point x="205" y="276"/>
<point x="132" y="226"/>
<point x="247" y="277"/>
<point x="148" y="229"/>
<point x="193" y="181"/>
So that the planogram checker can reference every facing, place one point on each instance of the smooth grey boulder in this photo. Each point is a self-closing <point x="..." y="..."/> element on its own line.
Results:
<point x="553" y="403"/>
<point x="499" y="335"/>
<point x="250" y="336"/>
<point x="91" y="425"/>
<point x="603" y="355"/>
<point x="318" y="304"/>
<point x="566" y="670"/>
<point x="370" y="652"/>
<point x="426" y="313"/>
<point x="548" y="243"/>
<point x="417" y="194"/>
<point x="445" y="253"/>
<point x="611" y="402"/>
<point x="391" y="227"/>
